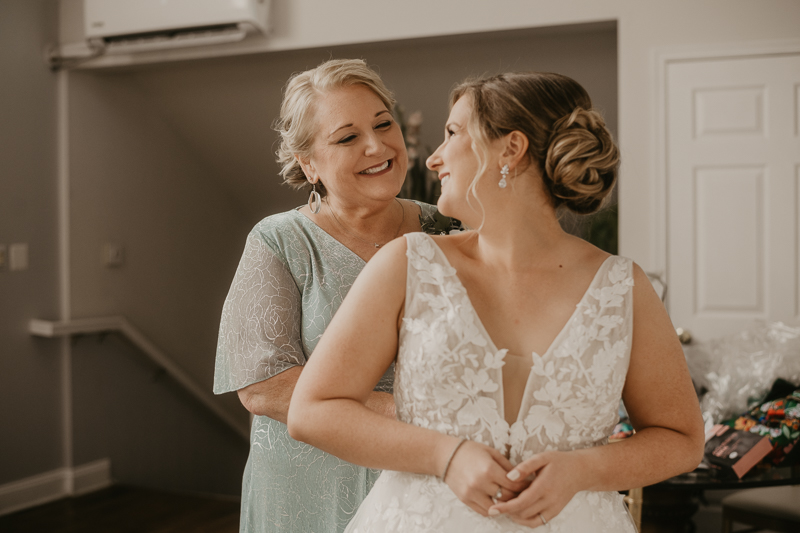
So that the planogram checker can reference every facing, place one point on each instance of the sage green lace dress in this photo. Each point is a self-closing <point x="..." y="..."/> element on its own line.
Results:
<point x="291" y="280"/>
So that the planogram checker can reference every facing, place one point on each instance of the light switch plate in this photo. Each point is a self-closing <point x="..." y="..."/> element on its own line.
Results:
<point x="113" y="255"/>
<point x="18" y="256"/>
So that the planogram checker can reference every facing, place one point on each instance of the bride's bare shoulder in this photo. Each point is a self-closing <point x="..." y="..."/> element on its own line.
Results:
<point x="586" y="254"/>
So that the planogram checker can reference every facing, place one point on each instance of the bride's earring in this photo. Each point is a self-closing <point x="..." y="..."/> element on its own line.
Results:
<point x="503" y="172"/>
<point x="314" y="199"/>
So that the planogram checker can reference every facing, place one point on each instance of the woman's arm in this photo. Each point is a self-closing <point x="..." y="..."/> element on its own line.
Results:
<point x="271" y="397"/>
<point x="260" y="352"/>
<point x="329" y="411"/>
<point x="663" y="408"/>
<point x="328" y="407"/>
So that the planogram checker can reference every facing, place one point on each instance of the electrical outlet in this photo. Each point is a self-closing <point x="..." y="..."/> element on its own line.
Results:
<point x="3" y="257"/>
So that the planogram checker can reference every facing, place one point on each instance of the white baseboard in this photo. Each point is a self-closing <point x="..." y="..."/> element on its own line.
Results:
<point x="31" y="491"/>
<point x="92" y="476"/>
<point x="54" y="485"/>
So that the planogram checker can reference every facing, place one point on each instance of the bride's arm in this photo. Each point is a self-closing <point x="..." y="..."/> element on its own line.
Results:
<point x="328" y="408"/>
<point x="663" y="408"/>
<point x="328" y="404"/>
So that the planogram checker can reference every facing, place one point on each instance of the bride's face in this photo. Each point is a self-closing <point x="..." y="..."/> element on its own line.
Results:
<point x="457" y="166"/>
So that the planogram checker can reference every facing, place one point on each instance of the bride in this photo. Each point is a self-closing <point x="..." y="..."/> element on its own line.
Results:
<point x="513" y="342"/>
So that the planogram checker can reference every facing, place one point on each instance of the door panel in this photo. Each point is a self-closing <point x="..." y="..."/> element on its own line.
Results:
<point x="729" y="201"/>
<point x="733" y="192"/>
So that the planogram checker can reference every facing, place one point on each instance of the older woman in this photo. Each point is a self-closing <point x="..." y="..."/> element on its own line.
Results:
<point x="340" y="141"/>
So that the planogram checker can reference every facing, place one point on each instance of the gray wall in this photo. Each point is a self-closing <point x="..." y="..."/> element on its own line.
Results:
<point x="30" y="414"/>
<point x="153" y="432"/>
<point x="134" y="182"/>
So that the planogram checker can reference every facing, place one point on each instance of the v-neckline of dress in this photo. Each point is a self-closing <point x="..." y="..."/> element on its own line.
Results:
<point x="327" y="235"/>
<point x="339" y="243"/>
<point x="491" y="342"/>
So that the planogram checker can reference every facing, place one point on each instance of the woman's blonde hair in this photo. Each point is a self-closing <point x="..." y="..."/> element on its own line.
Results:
<point x="567" y="140"/>
<point x="297" y="124"/>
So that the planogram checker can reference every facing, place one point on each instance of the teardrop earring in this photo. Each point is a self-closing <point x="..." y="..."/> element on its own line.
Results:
<point x="314" y="199"/>
<point x="503" y="172"/>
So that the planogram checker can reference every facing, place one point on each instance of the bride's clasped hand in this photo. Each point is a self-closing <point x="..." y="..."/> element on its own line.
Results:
<point x="556" y="478"/>
<point x="478" y="475"/>
<point x="542" y="485"/>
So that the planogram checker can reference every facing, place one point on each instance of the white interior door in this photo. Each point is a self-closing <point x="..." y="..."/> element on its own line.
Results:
<point x="733" y="192"/>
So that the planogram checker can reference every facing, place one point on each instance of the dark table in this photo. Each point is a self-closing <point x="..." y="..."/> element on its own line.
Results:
<point x="668" y="507"/>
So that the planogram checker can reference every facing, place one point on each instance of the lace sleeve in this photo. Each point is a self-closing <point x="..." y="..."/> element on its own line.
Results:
<point x="259" y="334"/>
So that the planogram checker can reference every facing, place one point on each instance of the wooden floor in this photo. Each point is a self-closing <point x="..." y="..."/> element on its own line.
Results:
<point x="121" y="509"/>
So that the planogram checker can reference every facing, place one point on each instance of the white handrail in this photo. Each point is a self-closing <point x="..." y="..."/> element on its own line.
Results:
<point x="46" y="328"/>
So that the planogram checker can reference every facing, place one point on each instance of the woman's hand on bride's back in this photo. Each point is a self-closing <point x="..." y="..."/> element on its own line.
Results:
<point x="476" y="473"/>
<point x="557" y="477"/>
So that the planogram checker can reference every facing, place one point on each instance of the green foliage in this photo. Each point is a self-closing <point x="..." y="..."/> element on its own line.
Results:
<point x="438" y="224"/>
<point x="601" y="229"/>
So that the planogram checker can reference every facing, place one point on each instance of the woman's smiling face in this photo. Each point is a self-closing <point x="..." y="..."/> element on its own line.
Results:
<point x="358" y="151"/>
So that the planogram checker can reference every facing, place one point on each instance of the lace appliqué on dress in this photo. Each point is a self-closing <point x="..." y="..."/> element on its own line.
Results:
<point x="260" y="328"/>
<point x="449" y="378"/>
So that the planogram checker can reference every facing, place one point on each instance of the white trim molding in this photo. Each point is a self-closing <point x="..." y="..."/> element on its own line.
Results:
<point x="64" y="287"/>
<point x="92" y="476"/>
<point x="54" y="485"/>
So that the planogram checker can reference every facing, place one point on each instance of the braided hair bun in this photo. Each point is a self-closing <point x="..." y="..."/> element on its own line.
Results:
<point x="567" y="139"/>
<point x="581" y="163"/>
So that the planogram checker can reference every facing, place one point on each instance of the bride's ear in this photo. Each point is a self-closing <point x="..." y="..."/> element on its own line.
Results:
<point x="516" y="146"/>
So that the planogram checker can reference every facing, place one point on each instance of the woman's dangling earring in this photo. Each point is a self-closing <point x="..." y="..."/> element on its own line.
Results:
<point x="503" y="172"/>
<point x="314" y="199"/>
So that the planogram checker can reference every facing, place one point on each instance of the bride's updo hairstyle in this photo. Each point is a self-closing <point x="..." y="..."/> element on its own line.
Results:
<point x="297" y="122"/>
<point x="567" y="140"/>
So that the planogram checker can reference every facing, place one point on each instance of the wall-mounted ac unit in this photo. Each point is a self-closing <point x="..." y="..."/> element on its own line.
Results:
<point x="126" y="26"/>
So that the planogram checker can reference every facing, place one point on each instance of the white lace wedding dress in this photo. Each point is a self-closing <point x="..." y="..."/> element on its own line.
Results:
<point x="448" y="377"/>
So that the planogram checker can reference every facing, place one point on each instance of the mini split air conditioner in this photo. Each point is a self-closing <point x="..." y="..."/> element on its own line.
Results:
<point x="127" y="26"/>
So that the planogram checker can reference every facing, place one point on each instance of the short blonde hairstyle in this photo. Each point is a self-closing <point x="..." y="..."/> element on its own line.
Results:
<point x="297" y="122"/>
<point x="568" y="141"/>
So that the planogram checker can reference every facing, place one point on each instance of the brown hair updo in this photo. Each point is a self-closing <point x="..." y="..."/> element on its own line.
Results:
<point x="297" y="122"/>
<point x="567" y="140"/>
